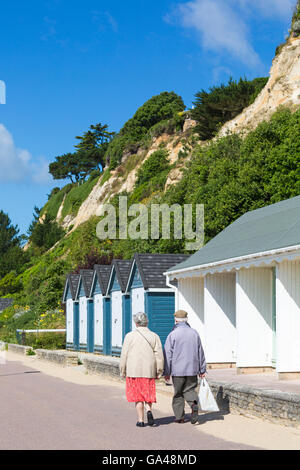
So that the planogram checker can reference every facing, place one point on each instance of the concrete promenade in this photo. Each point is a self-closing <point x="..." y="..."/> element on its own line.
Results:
<point x="255" y="395"/>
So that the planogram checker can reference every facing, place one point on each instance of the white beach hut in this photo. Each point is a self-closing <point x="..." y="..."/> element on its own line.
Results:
<point x="98" y="292"/>
<point x="149" y="292"/>
<point x="72" y="311"/>
<point x="86" y="311"/>
<point x="242" y="290"/>
<point x="118" y="306"/>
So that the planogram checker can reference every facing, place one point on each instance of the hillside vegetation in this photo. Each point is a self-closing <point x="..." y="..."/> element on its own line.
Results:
<point x="155" y="157"/>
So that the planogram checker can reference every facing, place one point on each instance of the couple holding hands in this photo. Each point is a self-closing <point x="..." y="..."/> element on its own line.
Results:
<point x="143" y="360"/>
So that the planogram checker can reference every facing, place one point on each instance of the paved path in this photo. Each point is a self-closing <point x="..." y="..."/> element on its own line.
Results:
<point x="267" y="381"/>
<point x="38" y="411"/>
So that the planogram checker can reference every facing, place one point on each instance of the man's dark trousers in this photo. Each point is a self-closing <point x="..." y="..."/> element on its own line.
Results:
<point x="184" y="389"/>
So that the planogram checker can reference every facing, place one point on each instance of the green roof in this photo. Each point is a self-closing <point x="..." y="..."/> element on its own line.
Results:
<point x="269" y="228"/>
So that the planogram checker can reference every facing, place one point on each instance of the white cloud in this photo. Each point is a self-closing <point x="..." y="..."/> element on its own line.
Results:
<point x="40" y="172"/>
<point x="222" y="24"/>
<point x="17" y="164"/>
<point x="220" y="28"/>
<point x="103" y="19"/>
<point x="270" y="8"/>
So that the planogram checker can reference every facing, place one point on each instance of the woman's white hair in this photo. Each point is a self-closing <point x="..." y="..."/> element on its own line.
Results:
<point x="140" y="319"/>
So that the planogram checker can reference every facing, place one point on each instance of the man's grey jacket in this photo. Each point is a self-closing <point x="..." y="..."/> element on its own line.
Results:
<point x="183" y="352"/>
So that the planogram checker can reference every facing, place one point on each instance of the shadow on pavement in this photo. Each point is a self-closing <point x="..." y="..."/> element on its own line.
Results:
<point x="163" y="421"/>
<point x="203" y="418"/>
<point x="21" y="373"/>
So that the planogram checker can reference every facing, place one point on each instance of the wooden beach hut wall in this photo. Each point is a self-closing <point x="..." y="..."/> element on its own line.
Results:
<point x="98" y="293"/>
<point x="261" y="250"/>
<point x="86" y="310"/>
<point x="117" y="308"/>
<point x="72" y="311"/>
<point x="149" y="292"/>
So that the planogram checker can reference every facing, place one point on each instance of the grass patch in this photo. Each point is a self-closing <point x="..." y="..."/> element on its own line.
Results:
<point x="105" y="177"/>
<point x="77" y="196"/>
<point x="55" y="201"/>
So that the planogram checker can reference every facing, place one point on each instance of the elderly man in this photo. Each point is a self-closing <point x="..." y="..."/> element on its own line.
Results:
<point x="184" y="361"/>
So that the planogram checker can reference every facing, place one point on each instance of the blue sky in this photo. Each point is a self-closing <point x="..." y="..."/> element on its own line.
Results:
<point x="69" y="64"/>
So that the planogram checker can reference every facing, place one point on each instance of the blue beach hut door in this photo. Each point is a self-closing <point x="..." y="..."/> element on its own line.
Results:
<point x="90" y="326"/>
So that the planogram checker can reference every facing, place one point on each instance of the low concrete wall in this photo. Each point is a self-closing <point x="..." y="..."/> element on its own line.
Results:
<point x="101" y="365"/>
<point x="17" y="348"/>
<point x="59" y="357"/>
<point x="274" y="406"/>
<point x="271" y="405"/>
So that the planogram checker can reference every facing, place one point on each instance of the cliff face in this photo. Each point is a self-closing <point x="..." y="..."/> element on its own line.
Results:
<point x="282" y="89"/>
<point x="122" y="180"/>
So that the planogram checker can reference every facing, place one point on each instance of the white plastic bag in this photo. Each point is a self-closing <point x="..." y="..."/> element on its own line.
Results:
<point x="206" y="398"/>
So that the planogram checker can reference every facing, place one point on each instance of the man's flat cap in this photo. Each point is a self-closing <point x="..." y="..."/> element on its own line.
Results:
<point x="180" y="314"/>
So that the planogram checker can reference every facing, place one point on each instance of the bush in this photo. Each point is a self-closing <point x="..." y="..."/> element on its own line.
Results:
<point x="168" y="126"/>
<point x="231" y="176"/>
<point x="10" y="284"/>
<point x="159" y="108"/>
<point x="153" y="166"/>
<point x="223" y="103"/>
<point x="46" y="233"/>
<point x="46" y="340"/>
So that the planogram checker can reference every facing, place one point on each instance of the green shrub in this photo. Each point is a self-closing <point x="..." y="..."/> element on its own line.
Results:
<point x="30" y="352"/>
<point x="168" y="126"/>
<point x="223" y="103"/>
<point x="159" y="108"/>
<point x="231" y="175"/>
<point x="10" y="284"/>
<point x="46" y="233"/>
<point x="46" y="340"/>
<point x="153" y="166"/>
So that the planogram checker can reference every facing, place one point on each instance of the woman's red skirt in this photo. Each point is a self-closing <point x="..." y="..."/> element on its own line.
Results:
<point x="140" y="389"/>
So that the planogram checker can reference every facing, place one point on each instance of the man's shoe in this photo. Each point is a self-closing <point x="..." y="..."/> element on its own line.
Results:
<point x="140" y="424"/>
<point x="150" y="418"/>
<point x="182" y="420"/>
<point x="194" y="417"/>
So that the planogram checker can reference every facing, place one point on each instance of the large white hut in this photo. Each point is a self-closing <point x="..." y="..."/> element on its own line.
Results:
<point x="242" y="291"/>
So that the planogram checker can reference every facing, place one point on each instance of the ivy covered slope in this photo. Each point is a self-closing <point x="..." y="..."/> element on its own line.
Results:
<point x="164" y="158"/>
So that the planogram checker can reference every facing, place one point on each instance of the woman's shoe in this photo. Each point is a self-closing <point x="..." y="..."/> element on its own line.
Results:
<point x="150" y="418"/>
<point x="140" y="424"/>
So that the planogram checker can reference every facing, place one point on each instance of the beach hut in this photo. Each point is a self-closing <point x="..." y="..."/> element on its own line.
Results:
<point x="149" y="292"/>
<point x="243" y="291"/>
<point x="117" y="307"/>
<point x="100" y="302"/>
<point x="86" y="310"/>
<point x="72" y="311"/>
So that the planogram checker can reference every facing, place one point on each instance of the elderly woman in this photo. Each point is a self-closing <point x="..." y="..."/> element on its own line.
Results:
<point x="142" y="362"/>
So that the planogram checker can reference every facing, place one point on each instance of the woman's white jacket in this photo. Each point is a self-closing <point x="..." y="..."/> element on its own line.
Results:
<point x="142" y="354"/>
